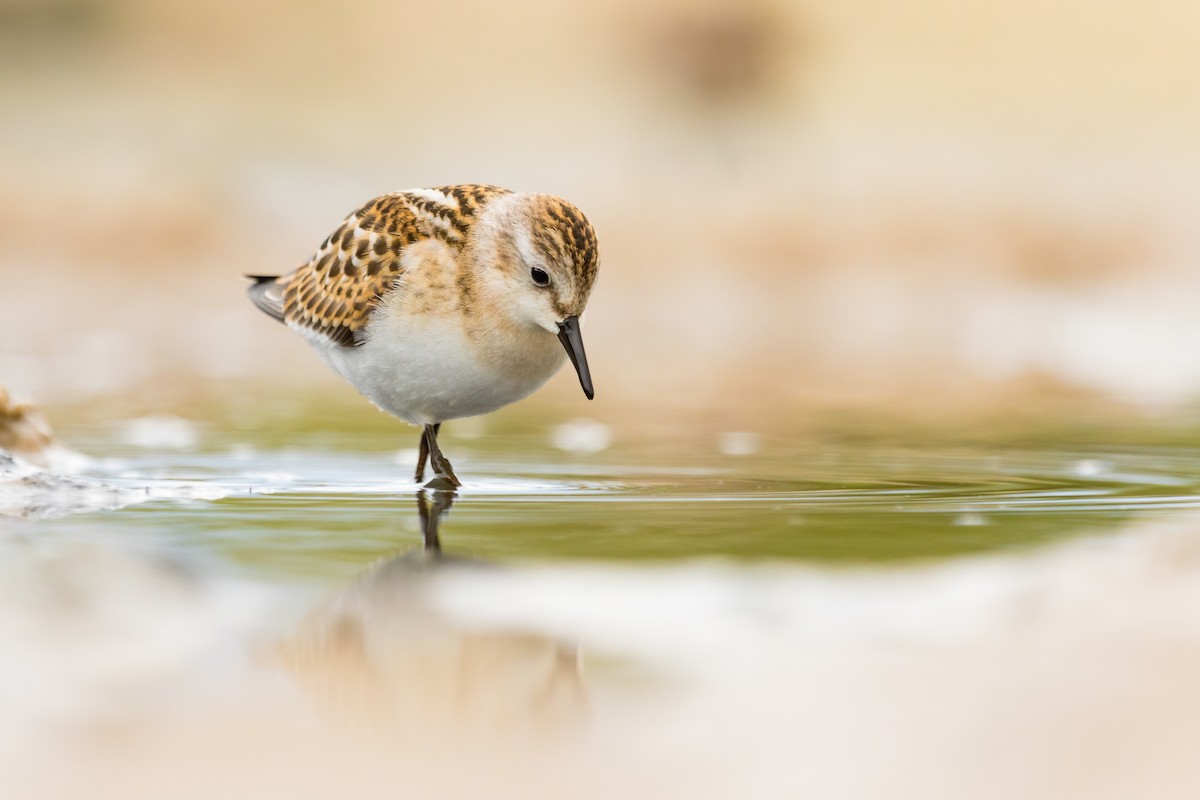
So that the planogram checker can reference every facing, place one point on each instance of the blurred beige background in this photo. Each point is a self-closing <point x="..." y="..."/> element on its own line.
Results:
<point x="833" y="203"/>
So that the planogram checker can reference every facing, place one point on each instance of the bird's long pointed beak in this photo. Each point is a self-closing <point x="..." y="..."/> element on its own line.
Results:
<point x="572" y="342"/>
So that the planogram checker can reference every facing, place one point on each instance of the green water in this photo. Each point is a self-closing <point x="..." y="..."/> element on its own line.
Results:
<point x="319" y="504"/>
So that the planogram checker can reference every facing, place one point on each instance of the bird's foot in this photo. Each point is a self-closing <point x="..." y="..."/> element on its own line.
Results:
<point x="443" y="474"/>
<point x="442" y="469"/>
<point x="443" y="483"/>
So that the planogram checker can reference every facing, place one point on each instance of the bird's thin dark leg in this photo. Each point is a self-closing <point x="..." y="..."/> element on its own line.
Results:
<point x="421" y="456"/>
<point x="440" y="464"/>
<point x="424" y="451"/>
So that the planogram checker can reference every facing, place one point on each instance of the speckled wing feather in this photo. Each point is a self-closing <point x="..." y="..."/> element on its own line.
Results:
<point x="333" y="295"/>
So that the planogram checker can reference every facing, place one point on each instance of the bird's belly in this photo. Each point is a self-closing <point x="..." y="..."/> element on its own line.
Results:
<point x="428" y="372"/>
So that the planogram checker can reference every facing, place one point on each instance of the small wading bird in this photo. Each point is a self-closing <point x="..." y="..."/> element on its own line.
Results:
<point x="444" y="303"/>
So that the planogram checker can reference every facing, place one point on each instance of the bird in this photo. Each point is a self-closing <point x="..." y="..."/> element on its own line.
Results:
<point x="443" y="303"/>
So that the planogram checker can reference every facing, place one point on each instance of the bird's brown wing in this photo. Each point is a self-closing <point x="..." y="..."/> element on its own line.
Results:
<point x="332" y="296"/>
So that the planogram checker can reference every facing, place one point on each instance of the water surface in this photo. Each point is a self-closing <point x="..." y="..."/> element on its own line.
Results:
<point x="324" y="506"/>
<point x="199" y="606"/>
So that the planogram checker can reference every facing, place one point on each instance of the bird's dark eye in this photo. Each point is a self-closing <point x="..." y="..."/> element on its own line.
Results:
<point x="539" y="276"/>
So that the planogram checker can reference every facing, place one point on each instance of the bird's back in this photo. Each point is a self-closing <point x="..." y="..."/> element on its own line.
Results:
<point x="332" y="296"/>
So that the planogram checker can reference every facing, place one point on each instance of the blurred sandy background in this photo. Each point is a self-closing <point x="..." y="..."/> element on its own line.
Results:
<point x="899" y="208"/>
<point x="919" y="205"/>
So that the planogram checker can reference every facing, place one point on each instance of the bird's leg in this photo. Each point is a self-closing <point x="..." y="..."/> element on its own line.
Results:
<point x="424" y="452"/>
<point x="441" y="465"/>
<point x="421" y="456"/>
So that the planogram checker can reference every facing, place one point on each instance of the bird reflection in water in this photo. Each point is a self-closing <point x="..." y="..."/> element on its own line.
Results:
<point x="379" y="656"/>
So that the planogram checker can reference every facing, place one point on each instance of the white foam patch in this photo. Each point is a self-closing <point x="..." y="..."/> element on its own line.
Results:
<point x="738" y="443"/>
<point x="33" y="492"/>
<point x="583" y="436"/>
<point x="161" y="432"/>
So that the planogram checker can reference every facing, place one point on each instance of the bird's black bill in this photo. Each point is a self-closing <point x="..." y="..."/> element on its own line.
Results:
<point x="572" y="341"/>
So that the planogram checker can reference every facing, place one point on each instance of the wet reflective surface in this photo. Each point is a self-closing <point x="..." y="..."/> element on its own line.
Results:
<point x="320" y="513"/>
<point x="225" y="604"/>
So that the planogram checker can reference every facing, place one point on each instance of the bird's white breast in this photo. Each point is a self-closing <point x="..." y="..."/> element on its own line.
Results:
<point x="424" y="369"/>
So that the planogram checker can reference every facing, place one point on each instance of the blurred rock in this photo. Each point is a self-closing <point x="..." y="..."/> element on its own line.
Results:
<point x="37" y="478"/>
<point x="24" y="430"/>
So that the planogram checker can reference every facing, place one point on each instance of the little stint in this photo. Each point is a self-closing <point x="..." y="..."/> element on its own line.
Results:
<point x="444" y="303"/>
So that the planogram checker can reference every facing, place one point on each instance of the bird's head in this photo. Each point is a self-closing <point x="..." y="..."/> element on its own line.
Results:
<point x="543" y="263"/>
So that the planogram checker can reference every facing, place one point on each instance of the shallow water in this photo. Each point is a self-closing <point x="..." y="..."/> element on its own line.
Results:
<point x="273" y="594"/>
<point x="323" y="510"/>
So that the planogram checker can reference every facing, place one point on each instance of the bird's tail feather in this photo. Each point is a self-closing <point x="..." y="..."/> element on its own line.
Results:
<point x="267" y="293"/>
